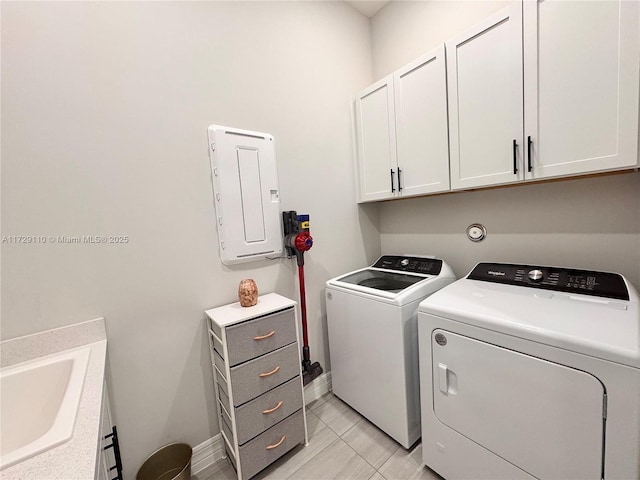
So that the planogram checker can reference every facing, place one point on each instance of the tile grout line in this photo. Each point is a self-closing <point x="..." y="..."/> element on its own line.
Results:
<point x="350" y="408"/>
<point x="362" y="417"/>
<point x="340" y="435"/>
<point x="319" y="451"/>
<point x="339" y="438"/>
<point x="375" y="470"/>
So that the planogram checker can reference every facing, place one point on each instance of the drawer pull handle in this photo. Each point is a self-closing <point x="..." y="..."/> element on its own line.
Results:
<point x="267" y="374"/>
<point x="271" y="410"/>
<point x="262" y="337"/>
<point x="276" y="445"/>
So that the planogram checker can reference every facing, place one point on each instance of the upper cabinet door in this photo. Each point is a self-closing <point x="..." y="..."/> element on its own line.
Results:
<point x="581" y="86"/>
<point x="376" y="140"/>
<point x="421" y="125"/>
<point x="484" y="69"/>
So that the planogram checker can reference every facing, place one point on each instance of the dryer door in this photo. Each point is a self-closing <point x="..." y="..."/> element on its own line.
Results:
<point x="545" y="418"/>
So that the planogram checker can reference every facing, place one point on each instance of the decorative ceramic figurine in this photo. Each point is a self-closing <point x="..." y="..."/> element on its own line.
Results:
<point x="248" y="292"/>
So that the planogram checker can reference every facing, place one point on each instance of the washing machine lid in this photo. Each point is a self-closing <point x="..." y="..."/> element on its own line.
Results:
<point x="576" y="310"/>
<point x="397" y="279"/>
<point x="385" y="280"/>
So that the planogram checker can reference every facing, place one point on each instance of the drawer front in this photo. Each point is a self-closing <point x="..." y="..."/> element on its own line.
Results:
<point x="262" y="374"/>
<point x="259" y="414"/>
<point x="251" y="339"/>
<point x="271" y="445"/>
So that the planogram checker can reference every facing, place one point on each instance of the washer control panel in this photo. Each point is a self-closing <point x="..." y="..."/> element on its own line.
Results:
<point x="585" y="282"/>
<point x="427" y="266"/>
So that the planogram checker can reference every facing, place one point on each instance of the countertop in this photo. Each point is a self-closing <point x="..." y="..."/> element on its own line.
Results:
<point x="76" y="458"/>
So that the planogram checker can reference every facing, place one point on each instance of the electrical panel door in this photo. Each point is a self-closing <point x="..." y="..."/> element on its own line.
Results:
<point x="246" y="194"/>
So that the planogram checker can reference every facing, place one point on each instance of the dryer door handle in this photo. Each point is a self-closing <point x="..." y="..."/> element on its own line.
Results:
<point x="443" y="382"/>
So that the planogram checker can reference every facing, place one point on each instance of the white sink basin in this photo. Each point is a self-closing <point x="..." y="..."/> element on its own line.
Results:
<point x="39" y="403"/>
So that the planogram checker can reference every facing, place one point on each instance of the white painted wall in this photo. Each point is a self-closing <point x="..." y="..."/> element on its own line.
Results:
<point x="105" y="108"/>
<point x="591" y="223"/>
<point x="584" y="223"/>
<point x="404" y="30"/>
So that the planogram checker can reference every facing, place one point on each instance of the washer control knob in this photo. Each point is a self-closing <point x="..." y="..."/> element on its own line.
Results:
<point x="535" y="275"/>
<point x="404" y="262"/>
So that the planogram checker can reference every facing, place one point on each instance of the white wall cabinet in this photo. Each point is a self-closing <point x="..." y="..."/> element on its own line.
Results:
<point x="401" y="124"/>
<point x="484" y="69"/>
<point x="581" y="82"/>
<point x="579" y="88"/>
<point x="376" y="139"/>
<point x="541" y="89"/>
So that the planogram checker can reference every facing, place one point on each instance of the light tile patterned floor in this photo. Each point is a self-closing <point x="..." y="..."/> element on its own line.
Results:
<point x="343" y="445"/>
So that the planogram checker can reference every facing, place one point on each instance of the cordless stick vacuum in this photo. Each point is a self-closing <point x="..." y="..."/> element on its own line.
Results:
<point x="297" y="240"/>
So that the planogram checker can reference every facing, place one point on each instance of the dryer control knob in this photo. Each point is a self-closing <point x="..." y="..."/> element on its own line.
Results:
<point x="535" y="275"/>
<point x="404" y="262"/>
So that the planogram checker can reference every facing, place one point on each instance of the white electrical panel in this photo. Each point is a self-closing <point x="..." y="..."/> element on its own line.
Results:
<point x="245" y="194"/>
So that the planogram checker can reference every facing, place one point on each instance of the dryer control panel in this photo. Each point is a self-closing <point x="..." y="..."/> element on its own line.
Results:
<point x="585" y="282"/>
<point x="426" y="266"/>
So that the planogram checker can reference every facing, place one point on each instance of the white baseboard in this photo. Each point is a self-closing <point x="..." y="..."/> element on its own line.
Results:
<point x="212" y="450"/>
<point x="206" y="454"/>
<point x="317" y="388"/>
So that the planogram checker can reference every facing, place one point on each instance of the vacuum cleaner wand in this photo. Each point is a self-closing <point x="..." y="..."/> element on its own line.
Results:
<point x="306" y="354"/>
<point x="297" y="241"/>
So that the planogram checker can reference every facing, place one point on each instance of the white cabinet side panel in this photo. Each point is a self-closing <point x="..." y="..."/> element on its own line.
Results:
<point x="541" y="416"/>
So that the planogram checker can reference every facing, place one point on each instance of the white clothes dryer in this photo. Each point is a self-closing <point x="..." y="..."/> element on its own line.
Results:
<point x="531" y="372"/>
<point x="373" y="339"/>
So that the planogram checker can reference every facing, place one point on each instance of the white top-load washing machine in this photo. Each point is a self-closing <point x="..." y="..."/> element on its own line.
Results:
<point x="531" y="372"/>
<point x="373" y="339"/>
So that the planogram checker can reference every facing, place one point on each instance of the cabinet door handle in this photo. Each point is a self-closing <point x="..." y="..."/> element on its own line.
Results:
<point x="262" y="337"/>
<point x="399" y="184"/>
<point x="271" y="410"/>
<point x="267" y="374"/>
<point x="515" y="157"/>
<point x="276" y="445"/>
<point x="392" y="188"/>
<point x="116" y="452"/>
<point x="529" y="143"/>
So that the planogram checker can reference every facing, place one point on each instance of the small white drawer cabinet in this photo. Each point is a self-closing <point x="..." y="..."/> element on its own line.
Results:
<point x="255" y="356"/>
